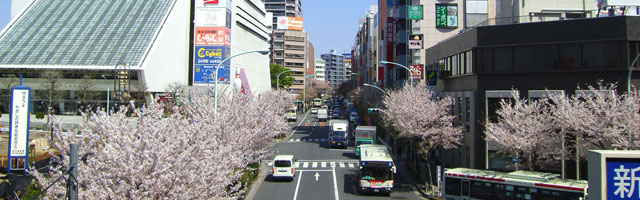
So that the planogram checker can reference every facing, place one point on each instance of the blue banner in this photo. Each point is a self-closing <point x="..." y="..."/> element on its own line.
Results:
<point x="204" y="74"/>
<point x="623" y="178"/>
<point x="208" y="55"/>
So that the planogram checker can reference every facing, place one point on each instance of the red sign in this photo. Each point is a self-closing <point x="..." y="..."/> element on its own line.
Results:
<point x="213" y="36"/>
<point x="210" y="2"/>
<point x="416" y="71"/>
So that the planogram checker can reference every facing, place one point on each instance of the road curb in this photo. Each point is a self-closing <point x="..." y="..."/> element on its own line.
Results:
<point x="255" y="185"/>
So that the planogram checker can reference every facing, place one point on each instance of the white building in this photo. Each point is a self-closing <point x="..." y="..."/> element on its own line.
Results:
<point x="320" y="69"/>
<point x="151" y="37"/>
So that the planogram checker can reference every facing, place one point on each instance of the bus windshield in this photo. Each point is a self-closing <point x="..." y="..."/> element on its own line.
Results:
<point x="376" y="173"/>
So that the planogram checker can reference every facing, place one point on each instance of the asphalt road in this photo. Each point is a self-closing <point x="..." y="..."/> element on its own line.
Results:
<point x="321" y="173"/>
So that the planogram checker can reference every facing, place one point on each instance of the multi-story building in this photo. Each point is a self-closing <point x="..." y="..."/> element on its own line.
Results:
<point x="479" y="67"/>
<point x="365" y="51"/>
<point x="151" y="44"/>
<point x="320" y="69"/>
<point x="334" y="68"/>
<point x="289" y="8"/>
<point x="289" y="49"/>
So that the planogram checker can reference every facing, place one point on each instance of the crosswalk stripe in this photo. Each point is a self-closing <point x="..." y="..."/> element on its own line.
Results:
<point x="324" y="164"/>
<point x="314" y="165"/>
<point x="297" y="164"/>
<point x="351" y="165"/>
<point x="298" y="140"/>
<point x="315" y="140"/>
<point x="333" y="164"/>
<point x="291" y="140"/>
<point x="269" y="164"/>
<point x="342" y="164"/>
<point x="305" y="165"/>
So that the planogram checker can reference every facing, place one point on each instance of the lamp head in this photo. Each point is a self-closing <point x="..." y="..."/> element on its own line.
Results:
<point x="264" y="51"/>
<point x="366" y="84"/>
<point x="384" y="62"/>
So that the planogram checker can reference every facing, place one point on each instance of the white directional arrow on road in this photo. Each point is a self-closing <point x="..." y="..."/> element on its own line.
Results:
<point x="317" y="175"/>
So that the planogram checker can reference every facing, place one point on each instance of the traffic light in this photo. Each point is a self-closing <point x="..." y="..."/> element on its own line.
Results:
<point x="373" y="110"/>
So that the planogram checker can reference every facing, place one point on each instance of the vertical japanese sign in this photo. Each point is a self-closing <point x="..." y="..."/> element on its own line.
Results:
<point x="19" y="121"/>
<point x="623" y="178"/>
<point x="212" y="41"/>
<point x="415" y="12"/>
<point x="446" y="16"/>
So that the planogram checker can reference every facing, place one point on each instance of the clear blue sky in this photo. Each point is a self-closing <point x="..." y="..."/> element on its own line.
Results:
<point x="332" y="24"/>
<point x="5" y="12"/>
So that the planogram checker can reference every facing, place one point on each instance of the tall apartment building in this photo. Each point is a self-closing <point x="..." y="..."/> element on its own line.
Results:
<point x="289" y="8"/>
<point x="365" y="49"/>
<point x="289" y="44"/>
<point x="320" y="69"/>
<point x="289" y="50"/>
<point x="335" y="69"/>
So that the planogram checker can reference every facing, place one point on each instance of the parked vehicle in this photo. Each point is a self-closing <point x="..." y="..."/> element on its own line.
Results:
<point x="283" y="167"/>
<point x="376" y="169"/>
<point x="364" y="135"/>
<point x="322" y="115"/>
<point x="338" y="134"/>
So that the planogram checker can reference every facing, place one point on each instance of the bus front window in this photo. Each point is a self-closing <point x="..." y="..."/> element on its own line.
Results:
<point x="376" y="173"/>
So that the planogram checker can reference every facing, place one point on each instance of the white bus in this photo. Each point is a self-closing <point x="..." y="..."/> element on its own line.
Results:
<point x="317" y="102"/>
<point x="472" y="184"/>
<point x="376" y="169"/>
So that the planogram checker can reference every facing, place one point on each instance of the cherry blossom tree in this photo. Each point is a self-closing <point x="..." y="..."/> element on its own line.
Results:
<point x="525" y="129"/>
<point x="415" y="115"/>
<point x="185" y="155"/>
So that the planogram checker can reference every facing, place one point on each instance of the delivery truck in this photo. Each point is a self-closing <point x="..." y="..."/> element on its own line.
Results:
<point x="364" y="135"/>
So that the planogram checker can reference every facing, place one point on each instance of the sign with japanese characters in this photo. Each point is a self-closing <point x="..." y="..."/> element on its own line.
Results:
<point x="415" y="41"/>
<point x="623" y="178"/>
<point x="446" y="16"/>
<point x="416" y="71"/>
<point x="19" y="121"/>
<point x="213" y="36"/>
<point x="415" y="12"/>
<point x="205" y="74"/>
<point x="211" y="54"/>
<point x="220" y="17"/>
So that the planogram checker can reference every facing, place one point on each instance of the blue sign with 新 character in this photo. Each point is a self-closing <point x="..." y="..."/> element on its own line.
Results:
<point x="204" y="74"/>
<point x="623" y="178"/>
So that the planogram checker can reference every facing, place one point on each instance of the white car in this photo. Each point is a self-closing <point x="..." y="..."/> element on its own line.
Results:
<point x="283" y="167"/>
<point x="314" y="110"/>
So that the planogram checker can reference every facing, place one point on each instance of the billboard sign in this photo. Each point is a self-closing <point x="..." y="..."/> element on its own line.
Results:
<point x="446" y="16"/>
<point x="213" y="17"/>
<point x="213" y="36"/>
<point x="416" y="71"/>
<point x="19" y="122"/>
<point x="204" y="74"/>
<point x="211" y="54"/>
<point x="347" y="57"/>
<point x="623" y="178"/>
<point x="213" y="3"/>
<point x="415" y="12"/>
<point x="415" y="41"/>
<point x="289" y="23"/>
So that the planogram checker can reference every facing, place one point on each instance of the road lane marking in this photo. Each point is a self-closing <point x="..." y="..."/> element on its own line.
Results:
<point x="324" y="164"/>
<point x="305" y="165"/>
<point x="335" y="184"/>
<point x="314" y="165"/>
<point x="295" y="194"/>
<point x="294" y="130"/>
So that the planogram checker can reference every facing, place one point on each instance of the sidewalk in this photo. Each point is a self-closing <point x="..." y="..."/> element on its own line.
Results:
<point x="405" y="177"/>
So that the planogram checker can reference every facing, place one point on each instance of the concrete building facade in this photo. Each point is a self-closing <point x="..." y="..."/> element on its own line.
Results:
<point x="335" y="68"/>
<point x="289" y="49"/>
<point x="320" y="69"/>
<point x="289" y="8"/>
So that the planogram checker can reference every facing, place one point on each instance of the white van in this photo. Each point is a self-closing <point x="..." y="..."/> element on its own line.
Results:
<point x="283" y="167"/>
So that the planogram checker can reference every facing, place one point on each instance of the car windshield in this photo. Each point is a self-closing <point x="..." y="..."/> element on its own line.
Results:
<point x="282" y="163"/>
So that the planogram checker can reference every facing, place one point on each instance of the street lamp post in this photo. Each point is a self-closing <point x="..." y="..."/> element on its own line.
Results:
<point x="376" y="87"/>
<point x="215" y="92"/>
<point x="629" y="92"/>
<point x="108" y="93"/>
<point x="278" y="82"/>
<point x="397" y="64"/>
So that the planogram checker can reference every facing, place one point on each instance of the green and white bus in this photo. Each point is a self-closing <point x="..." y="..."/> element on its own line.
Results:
<point x="376" y="169"/>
